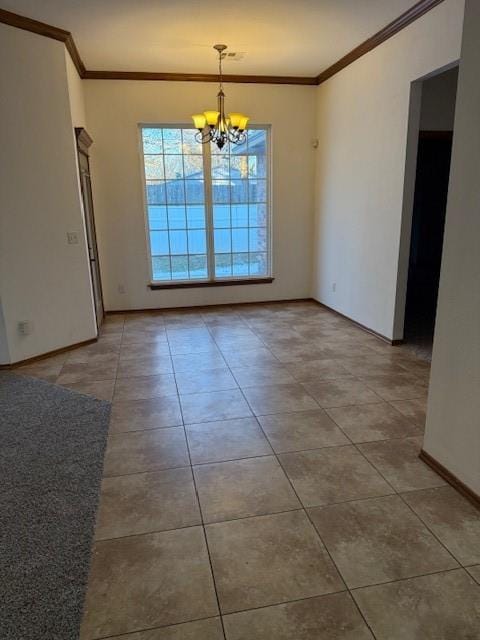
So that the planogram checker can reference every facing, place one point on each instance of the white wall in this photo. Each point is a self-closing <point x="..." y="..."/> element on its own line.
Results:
<point x="114" y="109"/>
<point x="42" y="279"/>
<point x="75" y="93"/>
<point x="452" y="434"/>
<point x="362" y="121"/>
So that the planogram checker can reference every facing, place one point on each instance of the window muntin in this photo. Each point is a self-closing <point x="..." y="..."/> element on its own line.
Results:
<point x="199" y="197"/>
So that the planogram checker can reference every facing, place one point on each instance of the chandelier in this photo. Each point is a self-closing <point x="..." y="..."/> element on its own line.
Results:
<point x="215" y="126"/>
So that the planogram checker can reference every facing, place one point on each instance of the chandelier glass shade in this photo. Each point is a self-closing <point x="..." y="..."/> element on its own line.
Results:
<point x="215" y="126"/>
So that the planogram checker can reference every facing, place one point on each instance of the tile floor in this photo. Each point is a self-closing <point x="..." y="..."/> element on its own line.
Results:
<point x="262" y="482"/>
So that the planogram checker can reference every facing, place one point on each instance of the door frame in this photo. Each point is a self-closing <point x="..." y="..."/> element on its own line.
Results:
<point x="84" y="142"/>
<point x="413" y="133"/>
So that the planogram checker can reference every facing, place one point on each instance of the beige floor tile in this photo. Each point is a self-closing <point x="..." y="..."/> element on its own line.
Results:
<point x="144" y="350"/>
<point x="318" y="370"/>
<point x="191" y="341"/>
<point x="144" y="387"/>
<point x="249" y="357"/>
<point x="301" y="353"/>
<point x="269" y="560"/>
<point x="242" y="488"/>
<point x="102" y="389"/>
<point x="475" y="572"/>
<point x="147" y="502"/>
<point x="378" y="540"/>
<point x="203" y="381"/>
<point x="373" y="365"/>
<point x="452" y="518"/>
<point x="341" y="392"/>
<point x="282" y="398"/>
<point x="397" y="387"/>
<point x="398" y="462"/>
<point x="262" y="375"/>
<point x="216" y="405"/>
<point x="141" y="582"/>
<point x="226" y="440"/>
<point x="334" y="474"/>
<point x="88" y="372"/>
<point x="198" y="361"/>
<point x="137" y="415"/>
<point x="415" y="410"/>
<point x="84" y="356"/>
<point x="145" y="366"/>
<point x="210" y="629"/>
<point x="444" y="606"/>
<point x="370" y="422"/>
<point x="46" y="369"/>
<point x="301" y="430"/>
<point x="330" y="617"/>
<point x="144" y="336"/>
<point x="149" y="450"/>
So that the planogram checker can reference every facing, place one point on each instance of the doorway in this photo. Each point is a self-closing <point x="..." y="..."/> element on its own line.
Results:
<point x="433" y="155"/>
<point x="83" y="143"/>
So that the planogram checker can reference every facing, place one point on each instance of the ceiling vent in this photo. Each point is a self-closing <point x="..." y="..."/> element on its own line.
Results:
<point x="235" y="56"/>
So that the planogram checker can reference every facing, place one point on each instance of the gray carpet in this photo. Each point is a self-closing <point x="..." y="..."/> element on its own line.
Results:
<point x="51" y="458"/>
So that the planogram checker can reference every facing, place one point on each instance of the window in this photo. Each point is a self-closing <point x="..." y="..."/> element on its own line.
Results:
<point x="207" y="211"/>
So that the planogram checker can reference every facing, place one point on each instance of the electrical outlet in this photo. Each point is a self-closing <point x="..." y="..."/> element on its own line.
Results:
<point x="25" y="327"/>
<point x="121" y="288"/>
<point x="334" y="286"/>
<point x="72" y="237"/>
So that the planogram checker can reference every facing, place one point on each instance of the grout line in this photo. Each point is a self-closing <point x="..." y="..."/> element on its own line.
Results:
<point x="202" y="520"/>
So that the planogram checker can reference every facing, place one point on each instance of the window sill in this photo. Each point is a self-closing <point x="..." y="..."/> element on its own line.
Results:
<point x="212" y="283"/>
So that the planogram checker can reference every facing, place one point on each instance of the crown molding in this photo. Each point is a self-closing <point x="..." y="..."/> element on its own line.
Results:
<point x="415" y="12"/>
<point x="46" y="30"/>
<point x="49" y="31"/>
<point x="196" y="77"/>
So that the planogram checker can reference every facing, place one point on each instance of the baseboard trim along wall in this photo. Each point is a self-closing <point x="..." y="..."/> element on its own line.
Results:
<point x="449" y="477"/>
<point x="203" y="306"/>
<point x="393" y="343"/>
<point x="48" y="354"/>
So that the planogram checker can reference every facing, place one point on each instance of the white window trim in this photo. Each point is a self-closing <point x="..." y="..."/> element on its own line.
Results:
<point x="211" y="279"/>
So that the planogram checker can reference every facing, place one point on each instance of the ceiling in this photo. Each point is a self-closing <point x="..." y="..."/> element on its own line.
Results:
<point x="279" y="37"/>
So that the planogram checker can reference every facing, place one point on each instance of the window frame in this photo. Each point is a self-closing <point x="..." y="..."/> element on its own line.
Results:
<point x="211" y="279"/>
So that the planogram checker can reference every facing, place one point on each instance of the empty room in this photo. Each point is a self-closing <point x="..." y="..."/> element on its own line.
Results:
<point x="240" y="320"/>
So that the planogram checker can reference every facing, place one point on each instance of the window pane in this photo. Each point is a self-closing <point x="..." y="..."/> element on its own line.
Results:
<point x="223" y="265"/>
<point x="178" y="242"/>
<point x="179" y="267"/>
<point x="258" y="239"/>
<point x="193" y="167"/>
<point x="176" y="217"/>
<point x="195" y="217"/>
<point x="221" y="191"/>
<point x="175" y="192"/>
<point x="258" y="264"/>
<point x="222" y="241"/>
<point x="173" y="167"/>
<point x="257" y="215"/>
<point x="152" y="140"/>
<point x="161" y="268"/>
<point x="240" y="264"/>
<point x="198" y="266"/>
<point x="172" y="140"/>
<point x="159" y="243"/>
<point x="220" y="167"/>
<point x="197" y="242"/>
<point x="257" y="142"/>
<point x="221" y="216"/>
<point x="195" y="191"/>
<point x="155" y="192"/>
<point x="190" y="145"/>
<point x="240" y="240"/>
<point x="239" y="190"/>
<point x="240" y="215"/>
<point x="157" y="217"/>
<point x="239" y="167"/>
<point x="154" y="168"/>
<point x="257" y="191"/>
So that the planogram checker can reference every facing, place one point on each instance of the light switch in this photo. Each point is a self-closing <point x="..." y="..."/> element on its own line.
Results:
<point x="72" y="237"/>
